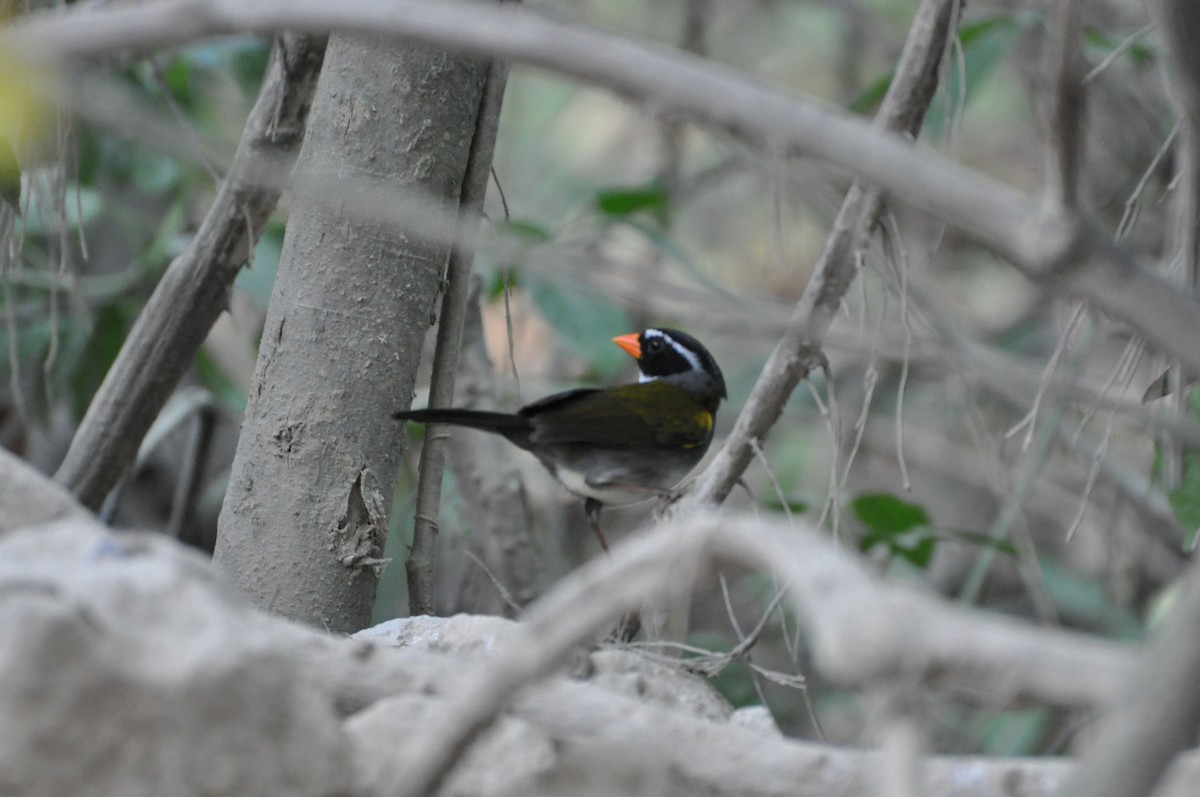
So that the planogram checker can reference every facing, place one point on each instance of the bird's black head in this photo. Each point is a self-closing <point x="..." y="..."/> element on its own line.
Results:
<point x="662" y="352"/>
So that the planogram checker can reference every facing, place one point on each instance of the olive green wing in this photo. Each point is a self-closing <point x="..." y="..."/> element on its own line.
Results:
<point x="644" y="415"/>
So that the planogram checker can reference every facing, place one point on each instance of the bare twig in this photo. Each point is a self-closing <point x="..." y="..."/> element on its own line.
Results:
<point x="1119" y="50"/>
<point x="894" y="243"/>
<point x="1010" y="515"/>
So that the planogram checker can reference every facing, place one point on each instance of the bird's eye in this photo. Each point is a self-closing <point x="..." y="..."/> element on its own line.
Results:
<point x="654" y="344"/>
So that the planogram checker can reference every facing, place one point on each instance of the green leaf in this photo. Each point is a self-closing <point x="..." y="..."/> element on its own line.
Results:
<point x="1137" y="52"/>
<point x="1162" y="603"/>
<point x="97" y="356"/>
<point x="1185" y="500"/>
<point x="178" y="77"/>
<point x="918" y="554"/>
<point x="870" y="97"/>
<point x="984" y="45"/>
<point x="156" y="174"/>
<point x="169" y="240"/>
<point x="677" y="253"/>
<point x="622" y="202"/>
<point x="249" y="58"/>
<point x="527" y="230"/>
<point x="10" y="175"/>
<point x="736" y="681"/>
<point x="885" y="514"/>
<point x="586" y="320"/>
<point x="258" y="280"/>
<point x="899" y="526"/>
<point x="91" y="153"/>
<point x="914" y="547"/>
<point x="793" y="506"/>
<point x="984" y="541"/>
<point x="83" y="208"/>
<point x="1083" y="600"/>
<point x="219" y="384"/>
<point x="1015" y="732"/>
<point x="493" y="289"/>
<point x="1158" y="388"/>
<point x="33" y="337"/>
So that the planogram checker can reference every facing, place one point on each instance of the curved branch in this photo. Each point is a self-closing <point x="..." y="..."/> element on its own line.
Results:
<point x="864" y="633"/>
<point x="1067" y="254"/>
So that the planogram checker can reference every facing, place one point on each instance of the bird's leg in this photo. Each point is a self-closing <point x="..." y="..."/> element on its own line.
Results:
<point x="630" y="623"/>
<point x="627" y="628"/>
<point x="592" y="507"/>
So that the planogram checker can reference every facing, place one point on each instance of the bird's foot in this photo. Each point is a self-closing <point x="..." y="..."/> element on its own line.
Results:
<point x="666" y="498"/>
<point x="592" y="508"/>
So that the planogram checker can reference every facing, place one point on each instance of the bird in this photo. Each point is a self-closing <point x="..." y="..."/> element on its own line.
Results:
<point x="616" y="445"/>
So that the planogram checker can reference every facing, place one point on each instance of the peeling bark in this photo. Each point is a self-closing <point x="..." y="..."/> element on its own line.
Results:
<point x="357" y="537"/>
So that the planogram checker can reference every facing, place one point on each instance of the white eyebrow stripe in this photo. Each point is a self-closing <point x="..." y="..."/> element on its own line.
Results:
<point x="692" y="358"/>
<point x="684" y="352"/>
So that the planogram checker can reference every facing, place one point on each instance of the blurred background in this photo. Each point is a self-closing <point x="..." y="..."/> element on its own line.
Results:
<point x="977" y="437"/>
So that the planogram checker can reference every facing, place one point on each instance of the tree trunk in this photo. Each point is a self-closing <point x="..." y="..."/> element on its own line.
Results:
<point x="305" y="516"/>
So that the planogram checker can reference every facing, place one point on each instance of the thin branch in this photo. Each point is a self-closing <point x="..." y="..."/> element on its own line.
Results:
<point x="422" y="557"/>
<point x="195" y="459"/>
<point x="901" y="748"/>
<point x="1160" y="710"/>
<point x="903" y="110"/>
<point x="1012" y="510"/>
<point x="1183" y="237"/>
<point x="1064" y="64"/>
<point x="1119" y="50"/>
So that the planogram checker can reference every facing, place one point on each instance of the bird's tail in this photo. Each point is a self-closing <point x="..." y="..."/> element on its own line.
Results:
<point x="498" y="422"/>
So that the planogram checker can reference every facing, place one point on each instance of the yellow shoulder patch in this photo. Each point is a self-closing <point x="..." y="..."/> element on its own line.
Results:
<point x="703" y="421"/>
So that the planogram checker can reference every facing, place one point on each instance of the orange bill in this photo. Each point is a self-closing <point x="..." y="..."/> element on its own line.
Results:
<point x="630" y="344"/>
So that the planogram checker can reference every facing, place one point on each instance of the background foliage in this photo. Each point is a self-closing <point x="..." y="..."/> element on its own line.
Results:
<point x="977" y="439"/>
